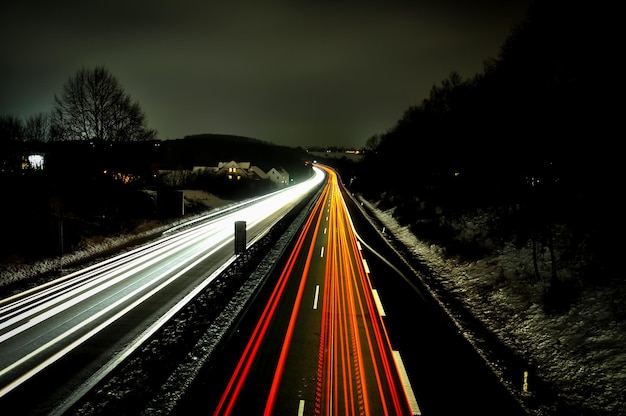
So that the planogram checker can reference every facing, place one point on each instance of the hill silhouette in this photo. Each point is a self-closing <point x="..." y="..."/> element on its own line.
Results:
<point x="210" y="149"/>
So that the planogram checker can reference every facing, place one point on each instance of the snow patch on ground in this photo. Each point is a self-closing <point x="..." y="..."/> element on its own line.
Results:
<point x="582" y="351"/>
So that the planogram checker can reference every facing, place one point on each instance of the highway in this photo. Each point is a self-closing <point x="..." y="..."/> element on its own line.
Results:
<point x="58" y="339"/>
<point x="343" y="326"/>
<point x="346" y="327"/>
<point x="318" y="344"/>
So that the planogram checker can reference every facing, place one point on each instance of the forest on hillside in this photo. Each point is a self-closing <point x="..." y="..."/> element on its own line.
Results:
<point x="528" y="143"/>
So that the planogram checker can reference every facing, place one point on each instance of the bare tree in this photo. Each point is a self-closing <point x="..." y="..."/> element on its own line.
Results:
<point x="11" y="141"/>
<point x="11" y="129"/>
<point x="37" y="128"/>
<point x="93" y="106"/>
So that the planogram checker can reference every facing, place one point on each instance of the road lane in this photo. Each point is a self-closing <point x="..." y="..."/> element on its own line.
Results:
<point x="250" y="384"/>
<point x="360" y="374"/>
<point x="446" y="368"/>
<point x="440" y="372"/>
<point x="56" y="338"/>
<point x="319" y="345"/>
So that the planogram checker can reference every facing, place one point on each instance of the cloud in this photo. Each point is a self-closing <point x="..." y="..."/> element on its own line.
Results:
<point x="282" y="67"/>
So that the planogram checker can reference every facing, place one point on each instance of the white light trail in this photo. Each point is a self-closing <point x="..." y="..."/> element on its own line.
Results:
<point x="125" y="281"/>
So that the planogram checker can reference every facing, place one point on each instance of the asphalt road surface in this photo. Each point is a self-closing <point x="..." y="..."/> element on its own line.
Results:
<point x="346" y="328"/>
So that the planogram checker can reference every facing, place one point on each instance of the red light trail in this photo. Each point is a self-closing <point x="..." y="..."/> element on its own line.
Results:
<point x="356" y="373"/>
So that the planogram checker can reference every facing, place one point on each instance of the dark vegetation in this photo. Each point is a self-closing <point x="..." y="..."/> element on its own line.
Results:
<point x="529" y="143"/>
<point x="90" y="190"/>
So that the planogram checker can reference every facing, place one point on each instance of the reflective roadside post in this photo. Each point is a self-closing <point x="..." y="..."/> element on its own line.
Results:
<point x="240" y="245"/>
<point x="240" y="237"/>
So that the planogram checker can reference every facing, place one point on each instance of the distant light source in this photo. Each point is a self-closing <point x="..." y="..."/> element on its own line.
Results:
<point x="35" y="162"/>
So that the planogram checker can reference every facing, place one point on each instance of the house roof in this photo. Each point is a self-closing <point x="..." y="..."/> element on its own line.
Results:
<point x="259" y="172"/>
<point x="233" y="164"/>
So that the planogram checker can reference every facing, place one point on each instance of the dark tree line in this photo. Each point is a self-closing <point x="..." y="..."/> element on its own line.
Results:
<point x="531" y="138"/>
<point x="93" y="135"/>
<point x="92" y="107"/>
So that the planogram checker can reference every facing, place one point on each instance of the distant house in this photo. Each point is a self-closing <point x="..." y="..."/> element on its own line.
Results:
<point x="233" y="170"/>
<point x="256" y="172"/>
<point x="279" y="176"/>
<point x="237" y="171"/>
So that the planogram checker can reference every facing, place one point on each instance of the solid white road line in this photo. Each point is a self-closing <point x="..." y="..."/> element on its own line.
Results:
<point x="366" y="267"/>
<point x="317" y="296"/>
<point x="415" y="409"/>
<point x="379" y="304"/>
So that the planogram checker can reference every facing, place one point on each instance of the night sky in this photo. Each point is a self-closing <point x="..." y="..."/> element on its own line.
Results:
<point x="297" y="73"/>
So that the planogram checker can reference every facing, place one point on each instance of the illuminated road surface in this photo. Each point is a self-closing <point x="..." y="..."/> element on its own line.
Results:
<point x="63" y="336"/>
<point x="317" y="341"/>
<point x="320" y="346"/>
